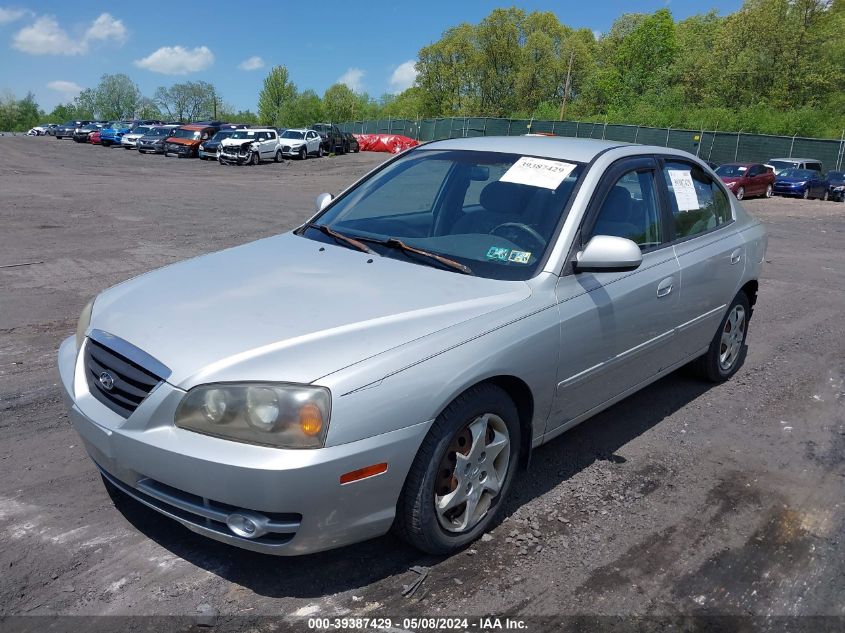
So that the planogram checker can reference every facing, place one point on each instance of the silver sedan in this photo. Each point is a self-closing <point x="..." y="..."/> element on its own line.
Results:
<point x="392" y="362"/>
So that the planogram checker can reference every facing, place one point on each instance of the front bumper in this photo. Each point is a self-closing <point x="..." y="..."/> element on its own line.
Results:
<point x="199" y="480"/>
<point x="146" y="147"/>
<point x="291" y="151"/>
<point x="780" y="190"/>
<point x="178" y="149"/>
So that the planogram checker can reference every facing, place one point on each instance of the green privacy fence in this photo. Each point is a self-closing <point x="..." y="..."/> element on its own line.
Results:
<point x="718" y="147"/>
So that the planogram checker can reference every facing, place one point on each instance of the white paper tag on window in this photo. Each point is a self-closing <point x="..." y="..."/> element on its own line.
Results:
<point x="538" y="172"/>
<point x="684" y="190"/>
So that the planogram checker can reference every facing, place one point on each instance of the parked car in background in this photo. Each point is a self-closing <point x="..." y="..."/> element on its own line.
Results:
<point x="41" y="130"/>
<point x="801" y="183"/>
<point x="332" y="137"/>
<point x="836" y="185"/>
<point x="67" y="129"/>
<point x="394" y="361"/>
<point x="80" y="134"/>
<point x="96" y="137"/>
<point x="208" y="149"/>
<point x="153" y="141"/>
<point x="113" y="133"/>
<point x="130" y="139"/>
<point x="747" y="179"/>
<point x="250" y="146"/>
<point x="779" y="164"/>
<point x="185" y="140"/>
<point x="301" y="143"/>
<point x="351" y="143"/>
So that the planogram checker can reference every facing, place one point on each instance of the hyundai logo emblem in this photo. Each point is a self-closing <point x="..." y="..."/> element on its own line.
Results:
<point x="107" y="381"/>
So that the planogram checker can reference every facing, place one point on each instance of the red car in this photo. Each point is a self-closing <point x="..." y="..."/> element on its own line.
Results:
<point x="94" y="138"/>
<point x="747" y="179"/>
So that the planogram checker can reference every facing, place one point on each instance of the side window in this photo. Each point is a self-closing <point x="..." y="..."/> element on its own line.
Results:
<point x="698" y="204"/>
<point x="271" y="136"/>
<point x="630" y="210"/>
<point x="754" y="170"/>
<point x="815" y="166"/>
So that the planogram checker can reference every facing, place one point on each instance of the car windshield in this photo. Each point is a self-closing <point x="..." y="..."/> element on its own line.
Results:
<point x="140" y="131"/>
<point x="836" y="175"/>
<point x="492" y="212"/>
<point x="293" y="134"/>
<point x="731" y="171"/>
<point x="780" y="165"/>
<point x="243" y="134"/>
<point x="159" y="131"/>
<point x="90" y="127"/>
<point x="182" y="133"/>
<point x="797" y="173"/>
<point x="221" y="135"/>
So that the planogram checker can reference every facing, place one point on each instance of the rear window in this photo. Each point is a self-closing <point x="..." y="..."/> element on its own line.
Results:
<point x="698" y="203"/>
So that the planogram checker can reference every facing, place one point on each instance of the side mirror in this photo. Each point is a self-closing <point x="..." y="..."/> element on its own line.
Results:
<point x="608" y="253"/>
<point x="322" y="201"/>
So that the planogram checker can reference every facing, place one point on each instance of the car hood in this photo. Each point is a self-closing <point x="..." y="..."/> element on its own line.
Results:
<point x="791" y="180"/>
<point x="182" y="141"/>
<point x="288" y="308"/>
<point x="727" y="179"/>
<point x="229" y="142"/>
<point x="152" y="139"/>
<point x="292" y="141"/>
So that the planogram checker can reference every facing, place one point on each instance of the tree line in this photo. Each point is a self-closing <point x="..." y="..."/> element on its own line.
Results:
<point x="773" y="66"/>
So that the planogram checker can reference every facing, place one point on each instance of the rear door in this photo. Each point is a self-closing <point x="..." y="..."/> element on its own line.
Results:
<point x="710" y="252"/>
<point x="617" y="327"/>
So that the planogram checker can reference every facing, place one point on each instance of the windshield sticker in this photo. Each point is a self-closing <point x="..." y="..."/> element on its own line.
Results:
<point x="519" y="257"/>
<point x="497" y="252"/>
<point x="684" y="190"/>
<point x="538" y="172"/>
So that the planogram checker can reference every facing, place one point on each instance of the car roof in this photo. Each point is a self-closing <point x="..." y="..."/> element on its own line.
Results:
<point x="580" y="150"/>
<point x="298" y="129"/>
<point x="194" y="126"/>
<point x="798" y="160"/>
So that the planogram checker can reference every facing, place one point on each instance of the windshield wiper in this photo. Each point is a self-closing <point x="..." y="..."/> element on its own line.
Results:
<point x="397" y="243"/>
<point x="340" y="237"/>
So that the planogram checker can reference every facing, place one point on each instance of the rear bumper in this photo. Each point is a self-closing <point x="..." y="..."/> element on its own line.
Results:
<point x="200" y="480"/>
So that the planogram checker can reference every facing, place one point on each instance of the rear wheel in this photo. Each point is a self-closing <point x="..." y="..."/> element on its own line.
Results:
<point x="321" y="152"/>
<point x="826" y="196"/>
<point x="278" y="156"/>
<point x="462" y="472"/>
<point x="769" y="191"/>
<point x="727" y="350"/>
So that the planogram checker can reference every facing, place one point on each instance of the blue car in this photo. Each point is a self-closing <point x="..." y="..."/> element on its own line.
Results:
<point x="836" y="185"/>
<point x="113" y="134"/>
<point x="801" y="183"/>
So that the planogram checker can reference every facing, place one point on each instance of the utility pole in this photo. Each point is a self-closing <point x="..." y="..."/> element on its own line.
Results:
<point x="567" y="85"/>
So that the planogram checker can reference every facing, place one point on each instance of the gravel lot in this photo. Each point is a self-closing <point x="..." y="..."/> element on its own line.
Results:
<point x="683" y="499"/>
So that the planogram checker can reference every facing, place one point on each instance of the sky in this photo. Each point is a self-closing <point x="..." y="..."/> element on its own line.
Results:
<point x="55" y="48"/>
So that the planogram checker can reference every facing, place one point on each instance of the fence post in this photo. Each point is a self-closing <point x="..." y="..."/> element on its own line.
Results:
<point x="792" y="144"/>
<point x="577" y="123"/>
<point x="841" y="150"/>
<point x="636" y="133"/>
<point x="451" y="122"/>
<point x="604" y="129"/>
<point x="713" y="140"/>
<point x="668" y="129"/>
<point x="736" y="151"/>
<point x="509" y="127"/>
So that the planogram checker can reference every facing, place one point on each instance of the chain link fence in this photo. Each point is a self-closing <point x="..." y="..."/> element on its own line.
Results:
<point x="714" y="146"/>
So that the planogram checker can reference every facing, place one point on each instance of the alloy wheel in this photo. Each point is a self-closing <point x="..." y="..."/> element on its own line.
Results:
<point x="769" y="191"/>
<point x="733" y="334"/>
<point x="472" y="473"/>
<point x="740" y="193"/>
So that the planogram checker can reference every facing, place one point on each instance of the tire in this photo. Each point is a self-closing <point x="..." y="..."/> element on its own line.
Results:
<point x="220" y="160"/>
<point x="278" y="156"/>
<point x="727" y="350"/>
<point x="806" y="194"/>
<point x="418" y="522"/>
<point x="321" y="152"/>
<point x="826" y="196"/>
<point x="740" y="193"/>
<point x="770" y="190"/>
<point x="303" y="153"/>
<point x="59" y="138"/>
<point x="254" y="159"/>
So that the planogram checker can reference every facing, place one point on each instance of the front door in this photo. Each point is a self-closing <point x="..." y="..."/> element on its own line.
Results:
<point x="617" y="327"/>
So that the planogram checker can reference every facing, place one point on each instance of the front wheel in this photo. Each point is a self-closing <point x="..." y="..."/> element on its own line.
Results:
<point x="462" y="472"/>
<point x="826" y="196"/>
<point x="255" y="158"/>
<point x="806" y="194"/>
<point x="727" y="350"/>
<point x="303" y="153"/>
<point x="740" y="193"/>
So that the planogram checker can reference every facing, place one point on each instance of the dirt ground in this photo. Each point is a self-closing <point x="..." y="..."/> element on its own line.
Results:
<point x="685" y="499"/>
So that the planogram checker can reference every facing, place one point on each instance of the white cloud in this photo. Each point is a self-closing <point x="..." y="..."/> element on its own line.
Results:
<point x="597" y="34"/>
<point x="253" y="63"/>
<point x="68" y="89"/>
<point x="106" y="27"/>
<point x="403" y="76"/>
<point x="177" y="60"/>
<point x="352" y="78"/>
<point x="46" y="37"/>
<point x="11" y="15"/>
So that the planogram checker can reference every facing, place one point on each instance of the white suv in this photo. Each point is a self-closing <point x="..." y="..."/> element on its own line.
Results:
<point x="250" y="145"/>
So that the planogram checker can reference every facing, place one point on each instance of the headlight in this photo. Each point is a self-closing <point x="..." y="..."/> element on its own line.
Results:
<point x="839" y="188"/>
<point x="83" y="323"/>
<point x="271" y="414"/>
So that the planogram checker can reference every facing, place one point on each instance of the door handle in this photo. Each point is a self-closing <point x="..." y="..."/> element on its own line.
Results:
<point x="736" y="256"/>
<point x="664" y="287"/>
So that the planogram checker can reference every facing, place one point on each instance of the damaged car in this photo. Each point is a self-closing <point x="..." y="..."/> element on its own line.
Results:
<point x="394" y="361"/>
<point x="249" y="146"/>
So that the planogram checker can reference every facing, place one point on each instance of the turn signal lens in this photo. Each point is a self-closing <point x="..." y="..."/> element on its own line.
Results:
<point x="310" y="419"/>
<point x="363" y="473"/>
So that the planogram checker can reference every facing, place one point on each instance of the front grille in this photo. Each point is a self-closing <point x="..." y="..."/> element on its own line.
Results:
<point x="286" y="148"/>
<point x="130" y="383"/>
<point x="206" y="513"/>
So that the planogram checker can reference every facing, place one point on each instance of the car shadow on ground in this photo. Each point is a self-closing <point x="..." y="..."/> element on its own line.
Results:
<point x="360" y="565"/>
